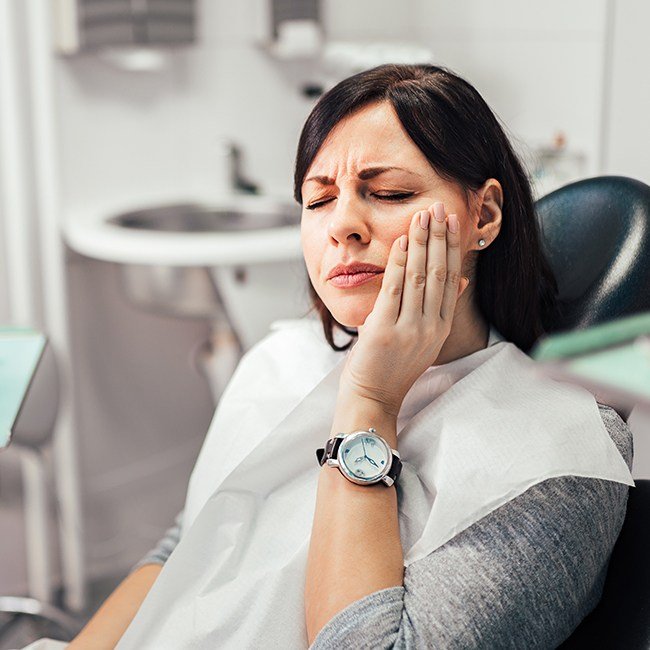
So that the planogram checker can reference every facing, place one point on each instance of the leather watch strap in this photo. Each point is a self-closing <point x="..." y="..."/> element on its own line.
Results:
<point x="330" y="451"/>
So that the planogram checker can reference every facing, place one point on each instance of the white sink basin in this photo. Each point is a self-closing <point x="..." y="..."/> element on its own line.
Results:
<point x="231" y="231"/>
<point x="194" y="217"/>
<point x="169" y="252"/>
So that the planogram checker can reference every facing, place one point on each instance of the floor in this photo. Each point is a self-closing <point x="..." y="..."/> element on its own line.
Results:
<point x="17" y="631"/>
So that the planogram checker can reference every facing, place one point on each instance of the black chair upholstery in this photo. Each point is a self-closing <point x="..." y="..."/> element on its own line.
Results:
<point x="596" y="234"/>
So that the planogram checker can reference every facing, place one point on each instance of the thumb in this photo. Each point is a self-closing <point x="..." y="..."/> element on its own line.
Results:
<point x="462" y="285"/>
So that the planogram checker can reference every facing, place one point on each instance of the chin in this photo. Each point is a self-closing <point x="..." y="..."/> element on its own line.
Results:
<point x="353" y="315"/>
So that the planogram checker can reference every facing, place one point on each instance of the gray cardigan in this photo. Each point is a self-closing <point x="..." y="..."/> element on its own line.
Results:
<point x="524" y="576"/>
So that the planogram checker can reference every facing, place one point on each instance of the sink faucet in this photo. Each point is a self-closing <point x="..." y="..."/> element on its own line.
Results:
<point x="238" y="182"/>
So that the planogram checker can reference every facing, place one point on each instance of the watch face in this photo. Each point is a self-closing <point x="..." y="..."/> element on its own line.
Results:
<point x="364" y="457"/>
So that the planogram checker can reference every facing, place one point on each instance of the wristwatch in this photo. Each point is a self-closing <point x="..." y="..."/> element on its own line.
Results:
<point x="363" y="457"/>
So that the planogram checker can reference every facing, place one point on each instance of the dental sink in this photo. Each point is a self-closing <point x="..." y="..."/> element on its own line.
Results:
<point x="229" y="230"/>
<point x="201" y="257"/>
<point x="170" y="253"/>
<point x="204" y="219"/>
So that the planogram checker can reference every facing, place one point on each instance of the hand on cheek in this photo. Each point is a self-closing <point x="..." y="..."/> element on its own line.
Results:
<point x="413" y="312"/>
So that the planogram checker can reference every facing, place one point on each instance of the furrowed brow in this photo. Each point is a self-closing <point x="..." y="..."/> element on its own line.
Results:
<point x="364" y="174"/>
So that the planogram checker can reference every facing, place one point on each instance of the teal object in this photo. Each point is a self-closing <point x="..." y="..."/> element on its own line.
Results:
<point x="614" y="355"/>
<point x="21" y="350"/>
<point x="625" y="367"/>
<point x="597" y="337"/>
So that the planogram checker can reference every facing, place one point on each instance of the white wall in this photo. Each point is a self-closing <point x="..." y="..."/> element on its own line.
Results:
<point x="538" y="65"/>
<point x="627" y="98"/>
<point x="139" y="134"/>
<point x="574" y="66"/>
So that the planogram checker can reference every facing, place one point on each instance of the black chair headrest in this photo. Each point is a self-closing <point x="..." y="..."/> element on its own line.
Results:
<point x="596" y="235"/>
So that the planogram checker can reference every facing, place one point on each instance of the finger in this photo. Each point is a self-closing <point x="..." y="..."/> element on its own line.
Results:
<point x="415" y="275"/>
<point x="452" y="283"/>
<point x="387" y="304"/>
<point x="436" y="262"/>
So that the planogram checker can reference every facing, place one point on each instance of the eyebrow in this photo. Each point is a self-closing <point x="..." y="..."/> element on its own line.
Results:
<point x="364" y="174"/>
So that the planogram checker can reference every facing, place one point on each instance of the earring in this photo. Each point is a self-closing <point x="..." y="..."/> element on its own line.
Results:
<point x="481" y="242"/>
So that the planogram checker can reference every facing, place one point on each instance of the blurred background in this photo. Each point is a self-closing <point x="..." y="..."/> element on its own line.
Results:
<point x="129" y="128"/>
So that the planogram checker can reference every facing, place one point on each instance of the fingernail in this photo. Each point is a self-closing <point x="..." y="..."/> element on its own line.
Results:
<point x="403" y="242"/>
<point x="439" y="211"/>
<point x="453" y="223"/>
<point x="424" y="219"/>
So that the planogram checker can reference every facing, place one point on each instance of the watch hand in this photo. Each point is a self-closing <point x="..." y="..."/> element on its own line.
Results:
<point x="359" y="459"/>
<point x="372" y="461"/>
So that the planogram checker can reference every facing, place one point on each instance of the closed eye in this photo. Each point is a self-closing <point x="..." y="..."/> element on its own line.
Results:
<point x="400" y="196"/>
<point x="314" y="206"/>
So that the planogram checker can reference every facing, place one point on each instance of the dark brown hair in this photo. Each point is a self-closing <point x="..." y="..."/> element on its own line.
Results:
<point x="456" y="130"/>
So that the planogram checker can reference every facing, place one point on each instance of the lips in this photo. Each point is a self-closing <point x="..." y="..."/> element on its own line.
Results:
<point x="353" y="279"/>
<point x="354" y="268"/>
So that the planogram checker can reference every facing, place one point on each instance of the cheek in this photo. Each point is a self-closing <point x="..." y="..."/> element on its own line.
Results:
<point x="391" y="229"/>
<point x="397" y="229"/>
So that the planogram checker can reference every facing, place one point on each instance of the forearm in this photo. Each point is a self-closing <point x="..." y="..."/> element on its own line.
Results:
<point x="355" y="546"/>
<point x="110" y="621"/>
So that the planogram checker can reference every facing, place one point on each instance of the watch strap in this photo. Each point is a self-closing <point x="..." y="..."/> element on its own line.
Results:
<point x="330" y="450"/>
<point x="395" y="468"/>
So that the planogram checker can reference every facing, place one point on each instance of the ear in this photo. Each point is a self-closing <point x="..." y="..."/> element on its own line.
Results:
<point x="490" y="202"/>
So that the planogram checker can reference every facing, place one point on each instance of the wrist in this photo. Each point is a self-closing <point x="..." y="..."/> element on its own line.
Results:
<point x="387" y="403"/>
<point x="354" y="412"/>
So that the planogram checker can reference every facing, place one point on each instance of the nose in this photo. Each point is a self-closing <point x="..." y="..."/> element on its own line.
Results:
<point x="349" y="219"/>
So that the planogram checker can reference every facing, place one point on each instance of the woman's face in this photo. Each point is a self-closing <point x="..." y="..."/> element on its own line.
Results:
<point x="370" y="180"/>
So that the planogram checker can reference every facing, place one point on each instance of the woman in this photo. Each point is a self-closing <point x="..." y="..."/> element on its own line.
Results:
<point x="406" y="169"/>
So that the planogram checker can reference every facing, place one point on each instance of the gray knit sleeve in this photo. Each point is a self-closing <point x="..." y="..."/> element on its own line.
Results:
<point x="164" y="547"/>
<point x="524" y="576"/>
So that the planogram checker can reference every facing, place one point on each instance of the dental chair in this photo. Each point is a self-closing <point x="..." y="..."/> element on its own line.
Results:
<point x="32" y="433"/>
<point x="596" y="234"/>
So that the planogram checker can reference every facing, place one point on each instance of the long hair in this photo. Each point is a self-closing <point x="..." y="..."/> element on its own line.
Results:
<point x="456" y="130"/>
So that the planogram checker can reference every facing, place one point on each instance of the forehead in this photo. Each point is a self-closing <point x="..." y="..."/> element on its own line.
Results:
<point x="371" y="135"/>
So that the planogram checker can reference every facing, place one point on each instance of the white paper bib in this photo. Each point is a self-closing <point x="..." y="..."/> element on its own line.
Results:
<point x="236" y="579"/>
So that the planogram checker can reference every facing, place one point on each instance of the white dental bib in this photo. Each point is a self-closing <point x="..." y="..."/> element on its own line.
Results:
<point x="473" y="434"/>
